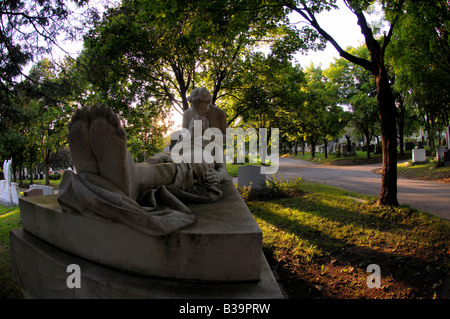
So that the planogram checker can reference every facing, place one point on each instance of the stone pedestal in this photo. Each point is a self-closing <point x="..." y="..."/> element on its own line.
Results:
<point x="41" y="270"/>
<point x="220" y="255"/>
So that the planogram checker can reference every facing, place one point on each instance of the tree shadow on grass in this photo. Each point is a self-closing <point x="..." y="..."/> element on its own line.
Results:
<point x="411" y="270"/>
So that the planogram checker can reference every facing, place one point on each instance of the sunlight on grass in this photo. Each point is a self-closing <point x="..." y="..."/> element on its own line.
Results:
<point x="324" y="231"/>
<point x="9" y="219"/>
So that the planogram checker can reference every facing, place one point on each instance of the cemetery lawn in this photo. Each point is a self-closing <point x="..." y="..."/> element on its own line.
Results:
<point x="320" y="241"/>
<point x="9" y="219"/>
<point x="332" y="159"/>
<point x="428" y="171"/>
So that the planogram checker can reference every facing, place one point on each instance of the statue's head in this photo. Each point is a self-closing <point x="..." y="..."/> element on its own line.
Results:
<point x="200" y="99"/>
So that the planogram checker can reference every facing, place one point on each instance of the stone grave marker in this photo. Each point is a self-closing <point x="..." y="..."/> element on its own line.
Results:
<point x="250" y="175"/>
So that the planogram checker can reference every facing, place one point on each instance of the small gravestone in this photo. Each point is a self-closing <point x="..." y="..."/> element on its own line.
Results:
<point x="250" y="175"/>
<point x="447" y="158"/>
<point x="15" y="194"/>
<point x="419" y="155"/>
<point x="33" y="192"/>
<point x="440" y="153"/>
<point x="47" y="190"/>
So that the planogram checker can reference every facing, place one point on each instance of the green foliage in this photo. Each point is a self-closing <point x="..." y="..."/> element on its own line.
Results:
<point x="319" y="117"/>
<point x="419" y="59"/>
<point x="273" y="189"/>
<point x="356" y="87"/>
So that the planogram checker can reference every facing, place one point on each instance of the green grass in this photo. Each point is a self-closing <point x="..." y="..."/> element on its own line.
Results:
<point x="426" y="171"/>
<point x="334" y="159"/>
<point x="53" y="182"/>
<point x="9" y="219"/>
<point x="326" y="239"/>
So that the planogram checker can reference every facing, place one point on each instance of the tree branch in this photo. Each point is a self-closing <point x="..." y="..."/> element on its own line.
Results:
<point x="309" y="16"/>
<point x="387" y="38"/>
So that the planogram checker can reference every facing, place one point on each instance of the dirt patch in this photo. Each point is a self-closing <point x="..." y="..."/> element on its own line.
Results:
<point x="345" y="277"/>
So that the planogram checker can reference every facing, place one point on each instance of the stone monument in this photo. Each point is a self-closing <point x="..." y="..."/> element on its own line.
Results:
<point x="419" y="154"/>
<point x="5" y="185"/>
<point x="156" y="229"/>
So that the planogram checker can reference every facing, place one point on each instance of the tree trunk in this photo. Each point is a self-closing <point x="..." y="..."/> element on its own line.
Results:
<point x="401" y="124"/>
<point x="47" y="168"/>
<point x="368" y="138"/>
<point x="326" y="146"/>
<point x="313" y="146"/>
<point x="31" y="167"/>
<point x="388" y="112"/>
<point x="385" y="97"/>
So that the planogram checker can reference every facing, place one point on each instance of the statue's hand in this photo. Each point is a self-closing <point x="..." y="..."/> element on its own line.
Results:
<point x="212" y="176"/>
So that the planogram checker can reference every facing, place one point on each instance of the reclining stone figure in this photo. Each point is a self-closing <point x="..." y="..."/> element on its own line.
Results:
<point x="152" y="196"/>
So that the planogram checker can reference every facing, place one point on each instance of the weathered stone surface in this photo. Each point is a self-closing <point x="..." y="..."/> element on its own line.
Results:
<point x="46" y="190"/>
<point x="41" y="271"/>
<point x="33" y="192"/>
<point x="419" y="155"/>
<point x="250" y="175"/>
<point x="224" y="244"/>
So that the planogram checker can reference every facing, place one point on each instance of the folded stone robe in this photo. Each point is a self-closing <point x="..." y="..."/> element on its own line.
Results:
<point x="159" y="211"/>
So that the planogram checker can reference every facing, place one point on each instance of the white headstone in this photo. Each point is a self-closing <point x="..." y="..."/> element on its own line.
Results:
<point x="15" y="194"/>
<point x="47" y="190"/>
<point x="6" y="191"/>
<point x="419" y="155"/>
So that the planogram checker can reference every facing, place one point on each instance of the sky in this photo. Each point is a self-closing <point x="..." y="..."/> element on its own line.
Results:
<point x="342" y="26"/>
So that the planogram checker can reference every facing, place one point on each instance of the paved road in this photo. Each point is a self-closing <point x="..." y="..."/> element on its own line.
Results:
<point x="431" y="197"/>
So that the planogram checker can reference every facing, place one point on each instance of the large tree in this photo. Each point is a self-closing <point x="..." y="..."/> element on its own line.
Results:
<point x="29" y="30"/>
<point x="308" y="10"/>
<point x="162" y="50"/>
<point x="376" y="65"/>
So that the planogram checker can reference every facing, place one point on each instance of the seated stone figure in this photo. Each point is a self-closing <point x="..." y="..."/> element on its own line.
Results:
<point x="151" y="196"/>
<point x="201" y="105"/>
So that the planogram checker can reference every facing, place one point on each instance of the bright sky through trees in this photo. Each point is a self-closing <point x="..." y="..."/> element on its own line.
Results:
<point x="341" y="24"/>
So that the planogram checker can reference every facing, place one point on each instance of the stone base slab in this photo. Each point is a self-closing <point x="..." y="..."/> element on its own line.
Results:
<point x="41" y="271"/>
<point x="224" y="243"/>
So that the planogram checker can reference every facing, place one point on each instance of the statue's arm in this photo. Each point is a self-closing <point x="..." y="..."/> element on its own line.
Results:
<point x="221" y="168"/>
